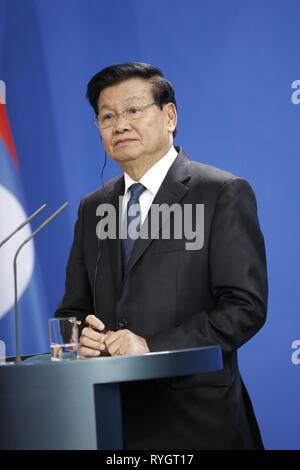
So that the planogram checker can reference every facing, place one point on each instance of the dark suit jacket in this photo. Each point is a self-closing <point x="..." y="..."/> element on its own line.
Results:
<point x="177" y="298"/>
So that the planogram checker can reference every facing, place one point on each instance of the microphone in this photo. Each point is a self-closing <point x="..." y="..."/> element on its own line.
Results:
<point x="18" y="358"/>
<point x="22" y="224"/>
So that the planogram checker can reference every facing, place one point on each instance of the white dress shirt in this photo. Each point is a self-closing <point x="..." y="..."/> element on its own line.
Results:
<point x="152" y="180"/>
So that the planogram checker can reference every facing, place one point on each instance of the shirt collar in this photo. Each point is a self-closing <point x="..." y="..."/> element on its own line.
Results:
<point x="153" y="178"/>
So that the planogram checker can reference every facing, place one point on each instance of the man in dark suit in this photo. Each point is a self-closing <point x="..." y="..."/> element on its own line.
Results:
<point x="158" y="293"/>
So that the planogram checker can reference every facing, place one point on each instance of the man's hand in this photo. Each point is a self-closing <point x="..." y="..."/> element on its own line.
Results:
<point x="124" y="342"/>
<point x="92" y="342"/>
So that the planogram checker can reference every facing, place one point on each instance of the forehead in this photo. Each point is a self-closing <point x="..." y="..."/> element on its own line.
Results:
<point x="132" y="89"/>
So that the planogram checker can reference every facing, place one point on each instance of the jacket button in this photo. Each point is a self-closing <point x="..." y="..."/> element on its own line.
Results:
<point x="122" y="323"/>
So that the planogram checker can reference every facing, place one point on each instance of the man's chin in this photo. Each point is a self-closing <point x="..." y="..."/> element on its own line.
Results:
<point x="124" y="157"/>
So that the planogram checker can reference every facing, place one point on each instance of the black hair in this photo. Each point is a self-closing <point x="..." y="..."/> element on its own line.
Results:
<point x="163" y="91"/>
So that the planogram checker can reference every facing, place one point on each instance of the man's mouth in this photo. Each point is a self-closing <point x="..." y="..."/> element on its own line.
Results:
<point x="124" y="141"/>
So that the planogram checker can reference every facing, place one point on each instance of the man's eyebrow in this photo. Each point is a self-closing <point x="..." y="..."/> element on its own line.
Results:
<point x="135" y="98"/>
<point x="131" y="98"/>
<point x="104" y="106"/>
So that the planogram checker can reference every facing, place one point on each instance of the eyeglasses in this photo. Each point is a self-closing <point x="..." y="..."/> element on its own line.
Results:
<point x="109" y="119"/>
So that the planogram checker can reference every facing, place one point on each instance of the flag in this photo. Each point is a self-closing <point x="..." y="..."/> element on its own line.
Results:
<point x="32" y="302"/>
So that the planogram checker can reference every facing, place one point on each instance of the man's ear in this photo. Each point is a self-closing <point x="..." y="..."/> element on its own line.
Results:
<point x="172" y="116"/>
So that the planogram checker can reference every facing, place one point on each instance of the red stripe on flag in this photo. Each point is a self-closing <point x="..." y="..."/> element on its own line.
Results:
<point x="6" y="135"/>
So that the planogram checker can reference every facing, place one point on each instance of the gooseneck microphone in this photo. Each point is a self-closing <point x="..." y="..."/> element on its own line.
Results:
<point x="23" y="224"/>
<point x="18" y="358"/>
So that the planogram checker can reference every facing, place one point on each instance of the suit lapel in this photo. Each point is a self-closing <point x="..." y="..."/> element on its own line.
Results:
<point x="114" y="245"/>
<point x="171" y="191"/>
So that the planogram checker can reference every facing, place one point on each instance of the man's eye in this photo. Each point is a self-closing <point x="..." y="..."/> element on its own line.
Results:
<point x="134" y="110"/>
<point x="107" y="117"/>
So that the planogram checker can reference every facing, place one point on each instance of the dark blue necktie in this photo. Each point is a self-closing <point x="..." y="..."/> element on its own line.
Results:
<point x="133" y="213"/>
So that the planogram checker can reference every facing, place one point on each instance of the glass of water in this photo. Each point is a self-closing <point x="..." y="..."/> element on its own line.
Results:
<point x="63" y="334"/>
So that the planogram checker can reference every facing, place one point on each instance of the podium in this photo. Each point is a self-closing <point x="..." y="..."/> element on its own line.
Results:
<point x="76" y="404"/>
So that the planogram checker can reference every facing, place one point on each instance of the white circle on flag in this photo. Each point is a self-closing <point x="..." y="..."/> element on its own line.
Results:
<point x="12" y="214"/>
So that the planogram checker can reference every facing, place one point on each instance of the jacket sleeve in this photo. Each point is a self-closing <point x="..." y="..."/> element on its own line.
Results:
<point x="238" y="278"/>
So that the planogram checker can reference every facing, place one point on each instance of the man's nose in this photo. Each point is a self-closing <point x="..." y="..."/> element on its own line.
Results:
<point x="122" y="124"/>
